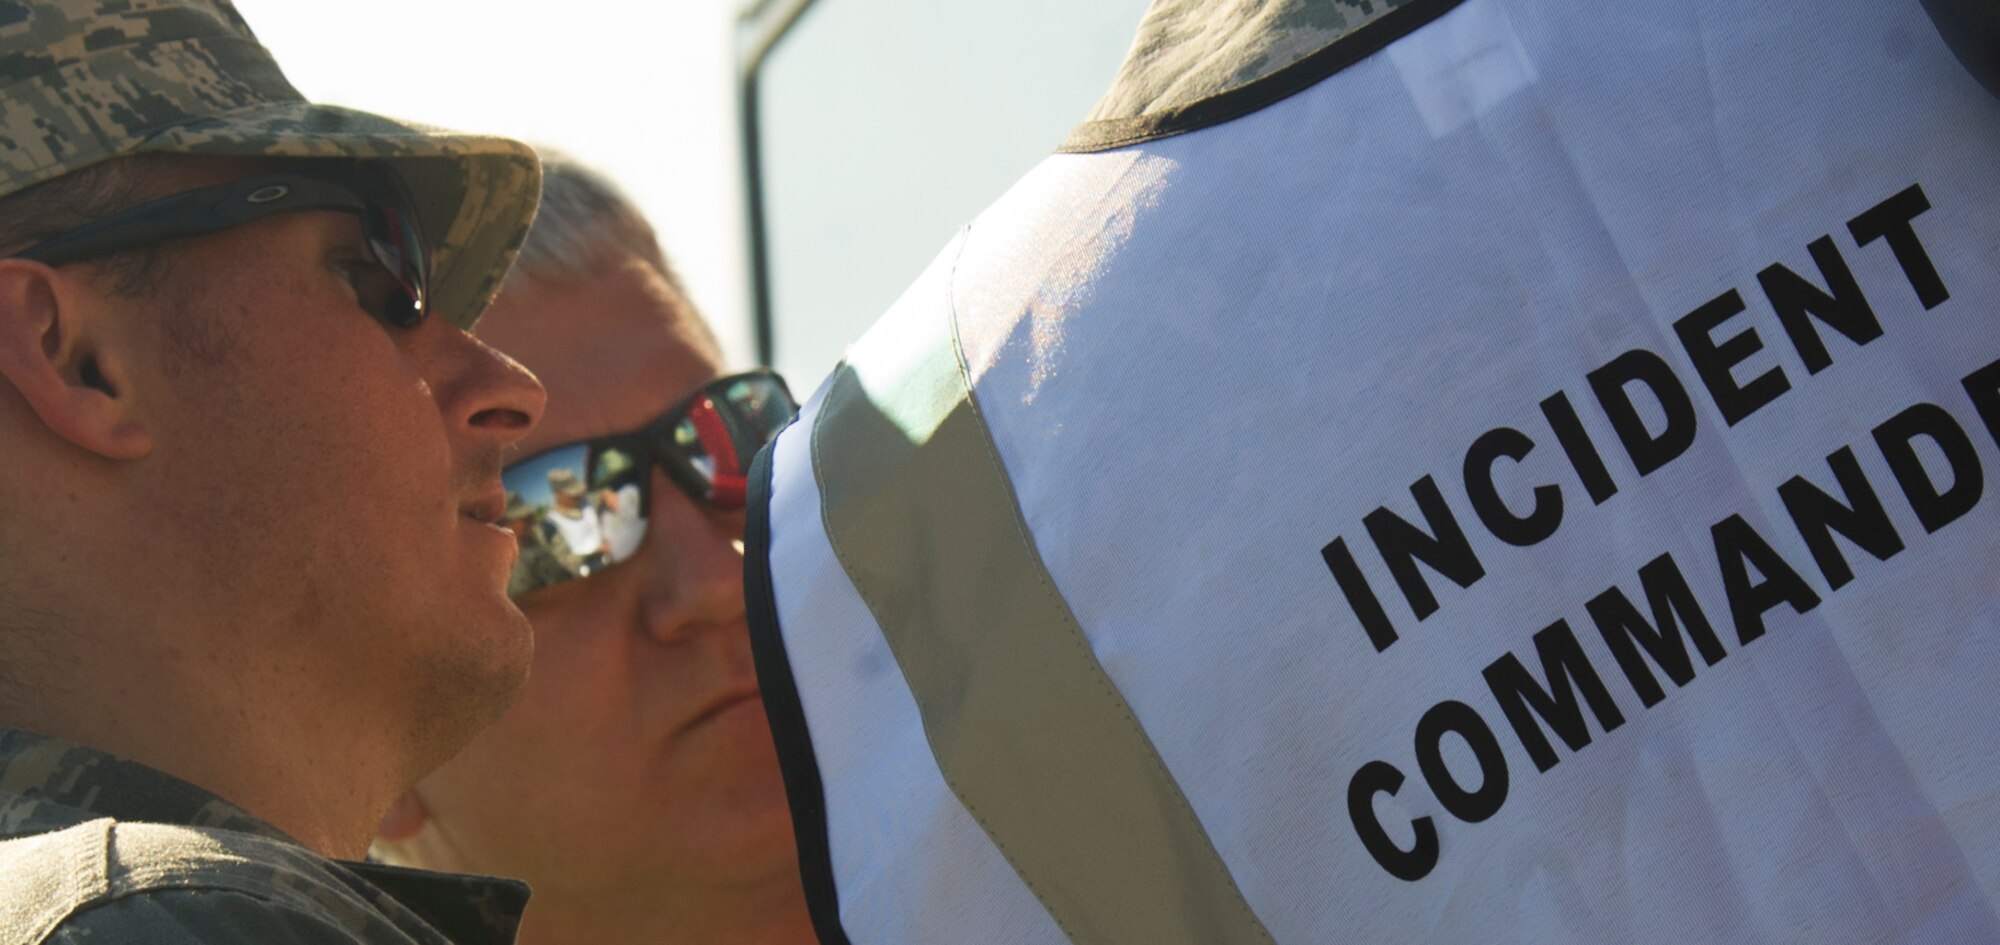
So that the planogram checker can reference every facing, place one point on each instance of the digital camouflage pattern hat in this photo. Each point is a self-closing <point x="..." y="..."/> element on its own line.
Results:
<point x="83" y="81"/>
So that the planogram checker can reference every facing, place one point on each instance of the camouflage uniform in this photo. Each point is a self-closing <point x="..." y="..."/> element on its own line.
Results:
<point x="98" y="849"/>
<point x="545" y="559"/>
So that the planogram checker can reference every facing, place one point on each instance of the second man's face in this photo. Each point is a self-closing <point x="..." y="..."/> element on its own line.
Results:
<point x="639" y="751"/>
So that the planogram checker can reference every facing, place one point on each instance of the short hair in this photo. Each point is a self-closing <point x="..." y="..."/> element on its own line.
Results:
<point x="585" y="221"/>
<point x="56" y="206"/>
<point x="83" y="196"/>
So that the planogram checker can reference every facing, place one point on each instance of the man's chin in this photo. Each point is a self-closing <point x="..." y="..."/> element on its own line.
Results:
<point x="505" y="667"/>
<point x="469" y="687"/>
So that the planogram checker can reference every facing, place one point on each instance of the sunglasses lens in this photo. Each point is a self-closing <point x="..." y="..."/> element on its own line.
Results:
<point x="575" y="510"/>
<point x="393" y="238"/>
<point x="580" y="508"/>
<point x="711" y="444"/>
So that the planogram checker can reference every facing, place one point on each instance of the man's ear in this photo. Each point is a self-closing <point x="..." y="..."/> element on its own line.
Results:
<point x="54" y="350"/>
<point x="405" y="817"/>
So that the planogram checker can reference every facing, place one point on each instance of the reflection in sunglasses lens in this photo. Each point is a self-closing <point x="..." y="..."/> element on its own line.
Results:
<point x="581" y="508"/>
<point x="617" y="502"/>
<point x="559" y="519"/>
<point x="399" y="249"/>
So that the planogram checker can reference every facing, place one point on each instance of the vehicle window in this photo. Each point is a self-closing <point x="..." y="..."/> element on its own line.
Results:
<point x="885" y="125"/>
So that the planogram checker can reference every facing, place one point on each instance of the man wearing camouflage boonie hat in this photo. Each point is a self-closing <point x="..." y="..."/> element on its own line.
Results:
<point x="564" y="482"/>
<point x="254" y="573"/>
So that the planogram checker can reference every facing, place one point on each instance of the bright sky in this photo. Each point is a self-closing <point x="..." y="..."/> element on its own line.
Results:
<point x="642" y="89"/>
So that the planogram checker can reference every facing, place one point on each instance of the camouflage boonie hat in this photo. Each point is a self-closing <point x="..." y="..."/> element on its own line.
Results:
<point x="565" y="482"/>
<point x="83" y="81"/>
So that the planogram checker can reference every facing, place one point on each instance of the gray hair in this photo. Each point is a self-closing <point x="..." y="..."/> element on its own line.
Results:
<point x="585" y="221"/>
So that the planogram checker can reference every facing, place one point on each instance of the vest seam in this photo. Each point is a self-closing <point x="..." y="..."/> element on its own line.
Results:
<point x="833" y="541"/>
<point x="1108" y="690"/>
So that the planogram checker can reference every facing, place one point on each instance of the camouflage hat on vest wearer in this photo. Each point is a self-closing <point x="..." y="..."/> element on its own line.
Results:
<point x="564" y="481"/>
<point x="83" y="81"/>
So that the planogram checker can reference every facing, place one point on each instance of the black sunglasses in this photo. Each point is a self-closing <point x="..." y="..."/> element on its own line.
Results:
<point x="581" y="507"/>
<point x="387" y="226"/>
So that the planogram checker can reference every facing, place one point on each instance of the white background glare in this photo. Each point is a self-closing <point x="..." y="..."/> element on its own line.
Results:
<point x="642" y="89"/>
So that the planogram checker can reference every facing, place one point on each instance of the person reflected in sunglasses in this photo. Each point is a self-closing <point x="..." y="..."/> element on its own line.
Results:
<point x="572" y="524"/>
<point x="634" y="785"/>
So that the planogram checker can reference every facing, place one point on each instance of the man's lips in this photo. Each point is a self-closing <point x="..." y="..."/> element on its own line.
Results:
<point x="719" y="705"/>
<point x="487" y="506"/>
<point x="485" y="509"/>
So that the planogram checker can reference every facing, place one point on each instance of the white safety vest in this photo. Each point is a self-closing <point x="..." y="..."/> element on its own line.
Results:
<point x="1531" y="476"/>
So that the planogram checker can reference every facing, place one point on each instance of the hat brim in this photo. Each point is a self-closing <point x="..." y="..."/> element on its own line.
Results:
<point x="476" y="194"/>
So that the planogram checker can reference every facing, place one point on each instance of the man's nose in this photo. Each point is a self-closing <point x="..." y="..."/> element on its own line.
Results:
<point x="693" y="566"/>
<point x="479" y="390"/>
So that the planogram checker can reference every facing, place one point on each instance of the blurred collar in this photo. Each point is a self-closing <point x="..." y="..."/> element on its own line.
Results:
<point x="1191" y="50"/>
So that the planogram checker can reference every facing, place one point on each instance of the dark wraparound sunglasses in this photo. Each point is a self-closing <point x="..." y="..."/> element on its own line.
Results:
<point x="584" y="506"/>
<point x="386" y="225"/>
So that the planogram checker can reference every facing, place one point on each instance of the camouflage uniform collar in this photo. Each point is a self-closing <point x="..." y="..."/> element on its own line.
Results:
<point x="48" y="784"/>
<point x="468" y="909"/>
<point x="39" y="771"/>
<point x="1189" y="50"/>
<point x="1198" y="63"/>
